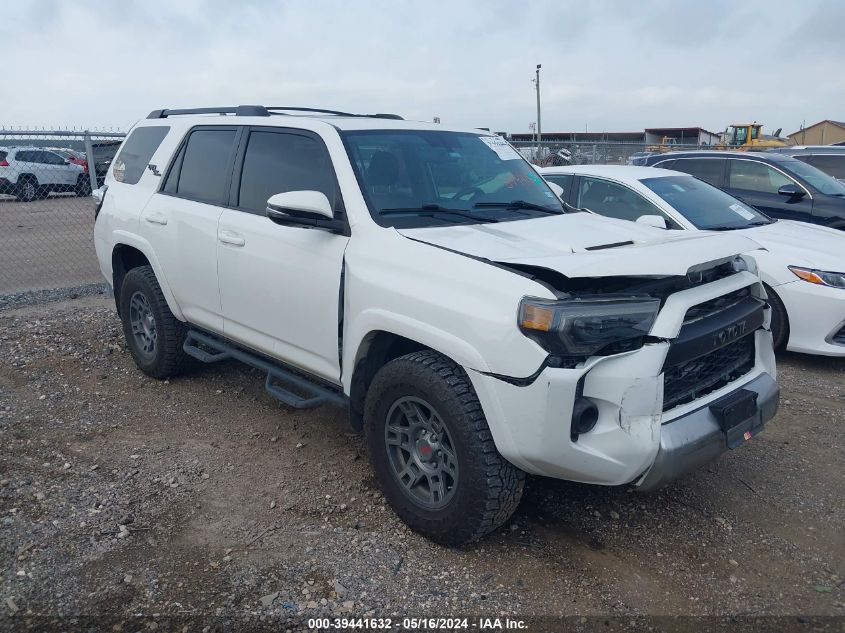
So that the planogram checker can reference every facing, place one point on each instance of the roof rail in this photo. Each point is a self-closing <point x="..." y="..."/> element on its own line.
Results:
<point x="241" y="110"/>
<point x="258" y="110"/>
<point x="334" y="112"/>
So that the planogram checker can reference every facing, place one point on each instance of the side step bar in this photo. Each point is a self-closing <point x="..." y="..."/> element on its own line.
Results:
<point x="280" y="380"/>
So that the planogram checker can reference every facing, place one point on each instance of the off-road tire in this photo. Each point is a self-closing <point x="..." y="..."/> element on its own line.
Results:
<point x="169" y="358"/>
<point x="780" y="321"/>
<point x="488" y="487"/>
<point x="27" y="189"/>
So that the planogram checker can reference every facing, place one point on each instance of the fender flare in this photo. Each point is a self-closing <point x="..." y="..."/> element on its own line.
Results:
<point x="126" y="238"/>
<point x="374" y="320"/>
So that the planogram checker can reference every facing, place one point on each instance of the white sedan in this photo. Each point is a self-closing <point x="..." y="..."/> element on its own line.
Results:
<point x="802" y="266"/>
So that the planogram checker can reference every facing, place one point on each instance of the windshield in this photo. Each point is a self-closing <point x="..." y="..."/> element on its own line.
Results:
<point x="415" y="178"/>
<point x="704" y="205"/>
<point x="816" y="177"/>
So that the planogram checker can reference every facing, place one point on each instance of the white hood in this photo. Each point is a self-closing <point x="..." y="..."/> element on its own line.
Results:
<point x="586" y="245"/>
<point x="802" y="244"/>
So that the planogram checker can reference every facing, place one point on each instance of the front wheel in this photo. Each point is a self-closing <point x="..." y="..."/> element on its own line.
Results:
<point x="780" y="321"/>
<point x="433" y="453"/>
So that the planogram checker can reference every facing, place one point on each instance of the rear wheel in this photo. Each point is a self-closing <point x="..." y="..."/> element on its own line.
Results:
<point x="780" y="321"/>
<point x="27" y="189"/>
<point x="154" y="336"/>
<point x="433" y="453"/>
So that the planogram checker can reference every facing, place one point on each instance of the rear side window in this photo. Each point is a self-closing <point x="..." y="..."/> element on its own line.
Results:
<point x="204" y="173"/>
<point x="280" y="162"/>
<point x="832" y="164"/>
<point x="136" y="153"/>
<point x="24" y="156"/>
<point x="706" y="169"/>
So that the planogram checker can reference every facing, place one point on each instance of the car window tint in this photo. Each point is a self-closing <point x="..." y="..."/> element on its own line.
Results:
<point x="614" y="200"/>
<point x="205" y="166"/>
<point x="280" y="162"/>
<point x="51" y="158"/>
<point x="751" y="175"/>
<point x="23" y="156"/>
<point x="832" y="164"/>
<point x="137" y="151"/>
<point x="706" y="169"/>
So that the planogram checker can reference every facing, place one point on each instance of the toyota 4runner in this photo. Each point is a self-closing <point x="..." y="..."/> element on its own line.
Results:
<point x="430" y="281"/>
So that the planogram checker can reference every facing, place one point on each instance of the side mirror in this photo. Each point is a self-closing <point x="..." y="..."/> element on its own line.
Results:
<point x="792" y="191"/>
<point x="304" y="209"/>
<point x="657" y="221"/>
<point x="558" y="190"/>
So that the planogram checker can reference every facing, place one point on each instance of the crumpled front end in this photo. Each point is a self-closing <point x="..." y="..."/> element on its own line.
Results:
<point x="658" y="407"/>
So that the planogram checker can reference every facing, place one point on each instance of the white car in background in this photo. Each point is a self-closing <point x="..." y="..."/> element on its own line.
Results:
<point x="29" y="173"/>
<point x="802" y="266"/>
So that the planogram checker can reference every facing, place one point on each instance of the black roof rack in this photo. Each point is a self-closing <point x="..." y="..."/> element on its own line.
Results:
<point x="258" y="110"/>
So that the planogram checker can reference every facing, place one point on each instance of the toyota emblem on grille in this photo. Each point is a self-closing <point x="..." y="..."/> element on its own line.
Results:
<point x="728" y="334"/>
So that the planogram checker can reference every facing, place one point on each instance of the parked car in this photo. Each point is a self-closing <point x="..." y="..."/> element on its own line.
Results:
<point x="780" y="186"/>
<point x="799" y="262"/>
<point x="77" y="158"/>
<point x="32" y="172"/>
<point x="829" y="158"/>
<point x="428" y="280"/>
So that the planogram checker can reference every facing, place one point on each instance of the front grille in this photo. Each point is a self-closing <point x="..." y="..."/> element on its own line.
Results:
<point x="692" y="379"/>
<point x="839" y="337"/>
<point x="709" y="308"/>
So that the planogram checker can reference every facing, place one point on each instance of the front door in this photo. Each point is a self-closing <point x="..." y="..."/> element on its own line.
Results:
<point x="280" y="286"/>
<point x="757" y="183"/>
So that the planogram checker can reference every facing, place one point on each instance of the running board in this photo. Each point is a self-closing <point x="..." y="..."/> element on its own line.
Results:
<point x="280" y="380"/>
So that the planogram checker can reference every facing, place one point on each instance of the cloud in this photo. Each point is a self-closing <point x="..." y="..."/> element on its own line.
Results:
<point x="606" y="65"/>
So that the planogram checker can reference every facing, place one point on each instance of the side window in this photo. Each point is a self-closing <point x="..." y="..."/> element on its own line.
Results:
<point x="615" y="201"/>
<point x="278" y="162"/>
<point x="24" y="156"/>
<point x="204" y="173"/>
<point x="751" y="175"/>
<point x="40" y="157"/>
<point x="666" y="164"/>
<point x="564" y="181"/>
<point x="706" y="169"/>
<point x="831" y="164"/>
<point x="51" y="158"/>
<point x="136" y="153"/>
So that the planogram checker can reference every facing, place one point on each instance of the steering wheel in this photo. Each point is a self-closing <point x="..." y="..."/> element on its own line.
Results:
<point x="475" y="191"/>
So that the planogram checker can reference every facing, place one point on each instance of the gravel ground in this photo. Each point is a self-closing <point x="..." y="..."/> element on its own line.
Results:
<point x="203" y="500"/>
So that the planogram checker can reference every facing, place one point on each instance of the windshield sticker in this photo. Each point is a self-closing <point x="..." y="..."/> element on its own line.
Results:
<point x="501" y="147"/>
<point x="740" y="210"/>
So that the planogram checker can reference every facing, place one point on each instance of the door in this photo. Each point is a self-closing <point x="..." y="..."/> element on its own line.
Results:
<point x="181" y="221"/>
<point x="62" y="171"/>
<point x="757" y="183"/>
<point x="280" y="285"/>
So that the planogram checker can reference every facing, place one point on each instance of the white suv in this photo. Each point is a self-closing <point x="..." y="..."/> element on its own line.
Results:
<point x="33" y="172"/>
<point x="429" y="280"/>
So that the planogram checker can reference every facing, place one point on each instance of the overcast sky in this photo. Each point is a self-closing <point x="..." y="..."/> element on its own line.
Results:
<point x="607" y="66"/>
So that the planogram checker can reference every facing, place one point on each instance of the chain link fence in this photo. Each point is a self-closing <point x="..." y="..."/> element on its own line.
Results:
<point x="46" y="209"/>
<point x="562" y="153"/>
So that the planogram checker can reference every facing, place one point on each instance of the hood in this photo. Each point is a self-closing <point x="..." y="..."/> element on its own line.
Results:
<point x="803" y="244"/>
<point x="586" y="245"/>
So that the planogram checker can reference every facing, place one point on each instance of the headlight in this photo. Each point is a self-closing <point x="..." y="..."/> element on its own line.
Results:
<point x="819" y="277"/>
<point x="588" y="327"/>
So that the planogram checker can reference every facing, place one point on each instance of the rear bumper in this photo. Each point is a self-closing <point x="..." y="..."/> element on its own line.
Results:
<point x="694" y="439"/>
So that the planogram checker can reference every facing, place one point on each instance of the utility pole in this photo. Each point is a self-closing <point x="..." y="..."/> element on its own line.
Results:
<point x="537" y="83"/>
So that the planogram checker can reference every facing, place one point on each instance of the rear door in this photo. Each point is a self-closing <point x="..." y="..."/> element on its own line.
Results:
<point x="280" y="286"/>
<point x="181" y="220"/>
<point x="756" y="183"/>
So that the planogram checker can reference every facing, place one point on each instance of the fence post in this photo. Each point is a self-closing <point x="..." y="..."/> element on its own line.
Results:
<point x="89" y="156"/>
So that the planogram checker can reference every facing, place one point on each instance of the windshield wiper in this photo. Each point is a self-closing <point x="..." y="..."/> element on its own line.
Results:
<point x="761" y="222"/>
<point x="434" y="210"/>
<point x="518" y="204"/>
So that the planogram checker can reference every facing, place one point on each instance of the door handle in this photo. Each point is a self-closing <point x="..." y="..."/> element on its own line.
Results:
<point x="156" y="217"/>
<point x="233" y="239"/>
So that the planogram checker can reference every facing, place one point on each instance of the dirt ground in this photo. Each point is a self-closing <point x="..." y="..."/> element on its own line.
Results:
<point x="204" y="500"/>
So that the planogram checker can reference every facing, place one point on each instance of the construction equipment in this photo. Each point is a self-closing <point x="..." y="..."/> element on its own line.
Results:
<point x="750" y="137"/>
